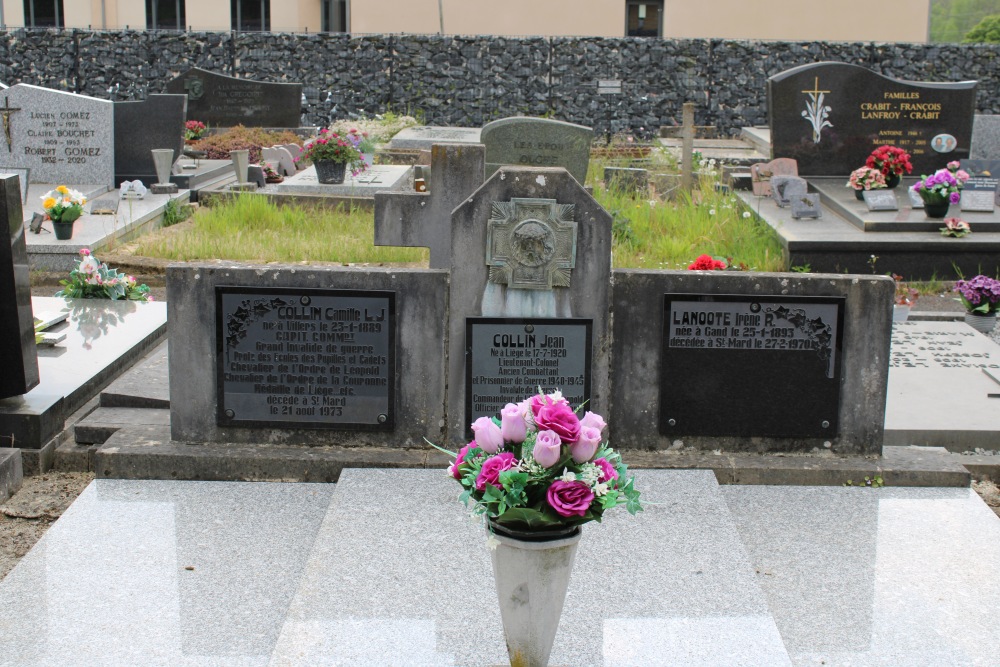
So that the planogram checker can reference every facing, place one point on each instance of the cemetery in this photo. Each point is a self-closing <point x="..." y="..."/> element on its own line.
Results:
<point x="276" y="442"/>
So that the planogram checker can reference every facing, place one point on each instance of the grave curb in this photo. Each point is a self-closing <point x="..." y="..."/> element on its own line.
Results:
<point x="11" y="472"/>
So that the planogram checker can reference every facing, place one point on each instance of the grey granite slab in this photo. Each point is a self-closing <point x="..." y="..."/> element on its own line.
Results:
<point x="102" y="423"/>
<point x="102" y="339"/>
<point x="145" y="385"/>
<point x="424" y="136"/>
<point x="386" y="585"/>
<point x="879" y="577"/>
<point x="11" y="472"/>
<point x="365" y="184"/>
<point x="932" y="360"/>
<point x="162" y="573"/>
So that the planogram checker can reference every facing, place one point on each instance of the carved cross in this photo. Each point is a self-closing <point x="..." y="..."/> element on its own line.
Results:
<point x="531" y="243"/>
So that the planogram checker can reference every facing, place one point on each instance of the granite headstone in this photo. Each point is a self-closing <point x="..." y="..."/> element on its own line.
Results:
<point x="18" y="358"/>
<point x="537" y="142"/>
<point x="225" y="101"/>
<point x="830" y="116"/>
<point x="61" y="137"/>
<point x="140" y="127"/>
<point x="422" y="137"/>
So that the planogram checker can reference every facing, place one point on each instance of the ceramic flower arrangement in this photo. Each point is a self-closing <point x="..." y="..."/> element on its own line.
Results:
<point x="63" y="204"/>
<point x="943" y="186"/>
<point x="955" y="228"/>
<point x="866" y="178"/>
<point x="890" y="160"/>
<point x="541" y="468"/>
<point x="92" y="279"/>
<point x="905" y="295"/>
<point x="980" y="295"/>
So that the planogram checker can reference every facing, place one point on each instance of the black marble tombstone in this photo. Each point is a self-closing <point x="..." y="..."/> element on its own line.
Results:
<point x="18" y="358"/>
<point x="830" y="116"/>
<point x="140" y="127"/>
<point x="225" y="101"/>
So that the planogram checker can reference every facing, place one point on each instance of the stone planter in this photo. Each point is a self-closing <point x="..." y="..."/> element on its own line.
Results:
<point x="531" y="579"/>
<point x="330" y="173"/>
<point x="982" y="323"/>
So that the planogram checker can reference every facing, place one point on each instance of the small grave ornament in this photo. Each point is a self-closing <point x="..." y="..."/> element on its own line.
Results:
<point x="531" y="243"/>
<point x="133" y="190"/>
<point x="806" y="206"/>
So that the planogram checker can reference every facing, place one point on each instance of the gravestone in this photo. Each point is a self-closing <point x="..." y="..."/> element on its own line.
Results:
<point x="762" y="173"/>
<point x="626" y="179"/>
<point x="783" y="188"/>
<point x="528" y="295"/>
<point x="141" y="127"/>
<point x="423" y="219"/>
<point x="18" y="357"/>
<point x="537" y="142"/>
<point x="224" y="101"/>
<point x="985" y="138"/>
<point x="422" y="137"/>
<point x="830" y="116"/>
<point x="806" y="206"/>
<point x="23" y="177"/>
<point x="61" y="137"/>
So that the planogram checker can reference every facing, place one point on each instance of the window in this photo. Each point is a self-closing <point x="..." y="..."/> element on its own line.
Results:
<point x="165" y="15"/>
<point x="642" y="19"/>
<point x="43" y="13"/>
<point x="251" y="15"/>
<point x="334" y="15"/>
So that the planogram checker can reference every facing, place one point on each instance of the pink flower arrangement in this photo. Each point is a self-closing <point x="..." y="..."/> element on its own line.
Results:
<point x="329" y="146"/>
<point x="866" y="178"/>
<point x="541" y="467"/>
<point x="93" y="279"/>
<point x="955" y="227"/>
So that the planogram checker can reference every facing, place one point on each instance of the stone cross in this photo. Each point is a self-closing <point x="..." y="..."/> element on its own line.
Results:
<point x="687" y="146"/>
<point x="423" y="219"/>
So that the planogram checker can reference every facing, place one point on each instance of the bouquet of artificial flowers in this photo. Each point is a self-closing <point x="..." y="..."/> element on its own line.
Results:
<point x="541" y="468"/>
<point x="979" y="295"/>
<point x="92" y="279"/>
<point x="890" y="160"/>
<point x="944" y="185"/>
<point x="63" y="204"/>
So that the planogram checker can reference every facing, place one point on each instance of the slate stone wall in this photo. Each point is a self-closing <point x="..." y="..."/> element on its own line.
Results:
<point x="471" y="80"/>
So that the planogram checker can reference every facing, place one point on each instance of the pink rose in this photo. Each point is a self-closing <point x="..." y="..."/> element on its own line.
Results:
<point x="487" y="435"/>
<point x="512" y="426"/>
<point x="584" y="449"/>
<point x="608" y="471"/>
<point x="460" y="459"/>
<point x="569" y="498"/>
<point x="538" y="400"/>
<point x="559" y="417"/>
<point x="490" y="472"/>
<point x="548" y="449"/>
<point x="962" y="175"/>
<point x="593" y="419"/>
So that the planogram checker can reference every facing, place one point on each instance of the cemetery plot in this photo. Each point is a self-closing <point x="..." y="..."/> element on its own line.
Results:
<point x="508" y="359"/>
<point x="225" y="101"/>
<point x="747" y="366"/>
<point x="310" y="358"/>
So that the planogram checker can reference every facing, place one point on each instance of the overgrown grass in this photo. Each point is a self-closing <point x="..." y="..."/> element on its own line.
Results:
<point x="655" y="234"/>
<point x="252" y="229"/>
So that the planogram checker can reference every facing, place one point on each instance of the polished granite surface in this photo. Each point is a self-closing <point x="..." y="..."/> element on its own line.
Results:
<point x="385" y="569"/>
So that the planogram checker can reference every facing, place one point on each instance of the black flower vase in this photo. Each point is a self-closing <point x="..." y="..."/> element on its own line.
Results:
<point x="936" y="210"/>
<point x="63" y="230"/>
<point x="892" y="180"/>
<point x="859" y="195"/>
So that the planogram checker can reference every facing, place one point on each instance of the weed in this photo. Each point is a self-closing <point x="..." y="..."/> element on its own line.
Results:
<point x="175" y="212"/>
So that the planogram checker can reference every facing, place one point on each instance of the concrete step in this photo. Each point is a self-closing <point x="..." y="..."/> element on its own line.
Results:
<point x="11" y="472"/>
<point x="147" y="452"/>
<point x="102" y="423"/>
<point x="145" y="385"/>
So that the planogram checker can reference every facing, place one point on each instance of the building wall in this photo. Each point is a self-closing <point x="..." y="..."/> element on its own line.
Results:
<point x="843" y="21"/>
<point x="847" y="20"/>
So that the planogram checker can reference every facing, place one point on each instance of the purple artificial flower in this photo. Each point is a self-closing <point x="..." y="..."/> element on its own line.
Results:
<point x="954" y="197"/>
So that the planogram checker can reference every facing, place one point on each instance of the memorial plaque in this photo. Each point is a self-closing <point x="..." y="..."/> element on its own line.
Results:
<point x="305" y="358"/>
<point x="225" y="101"/>
<point x="745" y="366"/>
<point x="830" y="116"/>
<point x="929" y="345"/>
<point x="979" y="194"/>
<point x="806" y="206"/>
<point x="785" y="187"/>
<point x="508" y="359"/>
<point x="881" y="200"/>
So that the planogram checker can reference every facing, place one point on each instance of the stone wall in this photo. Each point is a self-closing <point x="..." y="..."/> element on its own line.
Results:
<point x="459" y="80"/>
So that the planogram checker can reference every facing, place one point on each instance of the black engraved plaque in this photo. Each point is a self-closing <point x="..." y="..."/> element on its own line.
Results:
<point x="508" y="359"/>
<point x="737" y="365"/>
<point x="305" y="358"/>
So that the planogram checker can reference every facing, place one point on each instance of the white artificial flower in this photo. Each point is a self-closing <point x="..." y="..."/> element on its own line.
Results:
<point x="492" y="542"/>
<point x="589" y="473"/>
<point x="567" y="476"/>
<point x="600" y="489"/>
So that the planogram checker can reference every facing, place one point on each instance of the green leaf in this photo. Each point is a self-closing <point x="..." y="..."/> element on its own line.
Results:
<point x="529" y="518"/>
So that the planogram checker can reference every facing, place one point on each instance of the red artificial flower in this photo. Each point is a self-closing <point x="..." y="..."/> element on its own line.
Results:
<point x="706" y="263"/>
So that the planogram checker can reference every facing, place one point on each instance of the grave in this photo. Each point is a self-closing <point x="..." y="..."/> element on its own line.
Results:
<point x="537" y="142"/>
<point x="62" y="138"/>
<point x="216" y="574"/>
<point x="830" y="116"/>
<point x="17" y="332"/>
<point x="141" y="127"/>
<point x="224" y="101"/>
<point x="422" y="137"/>
<point x="374" y="179"/>
<point x="931" y="360"/>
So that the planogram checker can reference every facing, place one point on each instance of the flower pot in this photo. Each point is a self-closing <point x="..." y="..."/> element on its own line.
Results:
<point x="892" y="180"/>
<point x="900" y="313"/>
<point x="937" y="210"/>
<point x="531" y="579"/>
<point x="330" y="173"/>
<point x="859" y="195"/>
<point x="63" y="230"/>
<point x="982" y="323"/>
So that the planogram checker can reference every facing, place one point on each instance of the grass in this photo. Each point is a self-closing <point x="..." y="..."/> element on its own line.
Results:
<point x="249" y="228"/>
